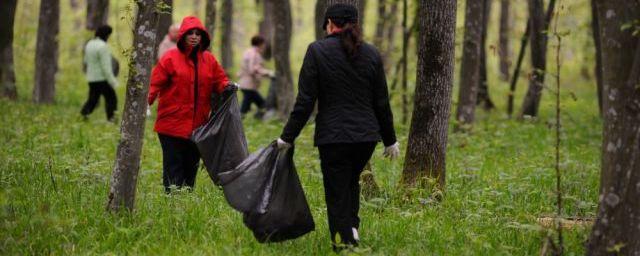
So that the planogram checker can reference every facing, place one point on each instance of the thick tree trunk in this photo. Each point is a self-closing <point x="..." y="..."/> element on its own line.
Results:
<point x="97" y="13"/>
<point x="427" y="145"/>
<point x="616" y="230"/>
<point x="44" y="88"/>
<point x="538" y="39"/>
<point x="266" y="27"/>
<point x="127" y="164"/>
<point x="483" y="88"/>
<point x="595" y="24"/>
<point x="7" y="72"/>
<point x="470" y="67"/>
<point x="504" y="48"/>
<point x="164" y="22"/>
<point x="210" y="18"/>
<point x="281" y="47"/>
<point x="321" y="6"/>
<point x="226" y="44"/>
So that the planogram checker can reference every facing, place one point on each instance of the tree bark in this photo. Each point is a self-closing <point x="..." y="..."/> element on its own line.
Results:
<point x="164" y="22"/>
<point x="483" y="87"/>
<point x="266" y="28"/>
<point x="616" y="230"/>
<point x="538" y="39"/>
<point x="226" y="44"/>
<point x="7" y="72"/>
<point x="97" y="13"/>
<point x="595" y="24"/>
<point x="46" y="61"/>
<point x="427" y="145"/>
<point x="281" y="47"/>
<point x="504" y="48"/>
<point x="210" y="18"/>
<point x="381" y="22"/>
<point x="321" y="6"/>
<point x="127" y="164"/>
<point x="470" y="67"/>
<point x="390" y="34"/>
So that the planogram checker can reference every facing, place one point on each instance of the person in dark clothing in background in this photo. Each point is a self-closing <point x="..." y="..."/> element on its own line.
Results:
<point x="346" y="77"/>
<point x="183" y="81"/>
<point x="100" y="74"/>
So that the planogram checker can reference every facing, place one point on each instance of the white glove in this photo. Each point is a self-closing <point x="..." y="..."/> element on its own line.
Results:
<point x="282" y="144"/>
<point x="148" y="111"/>
<point x="392" y="151"/>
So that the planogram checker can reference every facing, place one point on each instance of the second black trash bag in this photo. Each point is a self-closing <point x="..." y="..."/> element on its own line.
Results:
<point x="267" y="189"/>
<point x="221" y="141"/>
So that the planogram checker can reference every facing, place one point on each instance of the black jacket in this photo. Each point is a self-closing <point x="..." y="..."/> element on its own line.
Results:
<point x="353" y="102"/>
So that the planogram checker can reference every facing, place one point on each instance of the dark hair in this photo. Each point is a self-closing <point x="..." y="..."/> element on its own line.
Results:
<point x="350" y="36"/>
<point x="257" y="40"/>
<point x="103" y="32"/>
<point x="204" y="41"/>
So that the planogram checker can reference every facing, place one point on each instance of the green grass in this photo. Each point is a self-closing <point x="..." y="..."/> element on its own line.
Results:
<point x="55" y="171"/>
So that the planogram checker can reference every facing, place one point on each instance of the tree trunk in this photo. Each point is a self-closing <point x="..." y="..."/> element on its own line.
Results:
<point x="504" y="48"/>
<point x="598" y="51"/>
<point x="427" y="142"/>
<point x="405" y="58"/>
<point x="7" y="72"/>
<point x="226" y="44"/>
<point x="483" y="86"/>
<point x="381" y="22"/>
<point x="616" y="230"/>
<point x="470" y="67"/>
<point x="196" y="7"/>
<point x="46" y="66"/>
<point x="281" y="47"/>
<point x="210" y="18"/>
<point x="538" y="39"/>
<point x="390" y="34"/>
<point x="164" y="22"/>
<point x="321" y="6"/>
<point x="127" y="164"/>
<point x="97" y="13"/>
<point x="266" y="28"/>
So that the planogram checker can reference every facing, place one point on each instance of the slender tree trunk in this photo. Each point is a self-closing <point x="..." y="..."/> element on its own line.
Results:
<point x="504" y="48"/>
<point x="97" y="13"/>
<point x="595" y="24"/>
<point x="44" y="88"/>
<point x="226" y="45"/>
<point x="266" y="27"/>
<point x="281" y="47"/>
<point x="127" y="164"/>
<point x="7" y="72"/>
<point x="164" y="22"/>
<point x="381" y="22"/>
<point x="210" y="18"/>
<point x="427" y="145"/>
<point x="75" y="8"/>
<point x="483" y="86"/>
<point x="470" y="67"/>
<point x="390" y="34"/>
<point x="321" y="6"/>
<point x="404" y="63"/>
<point x="538" y="39"/>
<point x="616" y="231"/>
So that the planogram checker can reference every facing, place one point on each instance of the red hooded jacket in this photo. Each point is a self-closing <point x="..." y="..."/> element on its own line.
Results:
<point x="173" y="83"/>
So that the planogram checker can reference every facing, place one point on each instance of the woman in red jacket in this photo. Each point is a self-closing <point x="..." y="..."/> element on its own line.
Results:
<point x="183" y="81"/>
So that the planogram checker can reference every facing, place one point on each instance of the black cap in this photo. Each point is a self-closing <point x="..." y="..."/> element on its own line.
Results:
<point x="345" y="13"/>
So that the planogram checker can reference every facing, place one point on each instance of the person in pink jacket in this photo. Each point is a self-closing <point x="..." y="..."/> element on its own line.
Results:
<point x="252" y="70"/>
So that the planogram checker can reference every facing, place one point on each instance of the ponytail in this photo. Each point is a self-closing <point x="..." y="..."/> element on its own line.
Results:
<point x="350" y="37"/>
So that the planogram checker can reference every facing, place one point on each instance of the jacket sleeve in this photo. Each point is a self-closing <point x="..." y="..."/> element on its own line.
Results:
<point x="105" y="66"/>
<point x="160" y="78"/>
<point x="257" y="66"/>
<point x="305" y="101"/>
<point x="381" y="105"/>
<point x="220" y="79"/>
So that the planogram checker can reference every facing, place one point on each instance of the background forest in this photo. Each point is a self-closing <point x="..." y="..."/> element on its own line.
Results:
<point x="55" y="168"/>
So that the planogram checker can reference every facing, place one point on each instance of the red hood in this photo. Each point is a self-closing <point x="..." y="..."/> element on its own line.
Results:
<point x="189" y="23"/>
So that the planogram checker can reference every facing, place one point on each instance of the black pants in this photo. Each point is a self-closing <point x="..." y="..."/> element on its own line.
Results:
<point x="251" y="96"/>
<point x="180" y="160"/>
<point x="341" y="167"/>
<point x="95" y="90"/>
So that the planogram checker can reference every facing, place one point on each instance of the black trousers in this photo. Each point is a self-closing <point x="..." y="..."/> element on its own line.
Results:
<point x="95" y="90"/>
<point x="180" y="160"/>
<point x="341" y="166"/>
<point x="251" y="96"/>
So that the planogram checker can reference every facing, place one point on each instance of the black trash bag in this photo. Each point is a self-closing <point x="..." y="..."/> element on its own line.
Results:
<point x="266" y="188"/>
<point x="221" y="141"/>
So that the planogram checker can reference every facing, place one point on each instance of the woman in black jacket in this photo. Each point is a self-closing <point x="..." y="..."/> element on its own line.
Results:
<point x="346" y="77"/>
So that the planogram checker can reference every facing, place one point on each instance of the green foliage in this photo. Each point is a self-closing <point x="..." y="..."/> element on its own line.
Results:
<point x="55" y="169"/>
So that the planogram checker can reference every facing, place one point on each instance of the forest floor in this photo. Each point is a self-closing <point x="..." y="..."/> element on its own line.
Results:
<point x="55" y="171"/>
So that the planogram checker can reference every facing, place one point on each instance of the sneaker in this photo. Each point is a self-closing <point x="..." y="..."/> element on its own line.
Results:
<point x="355" y="234"/>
